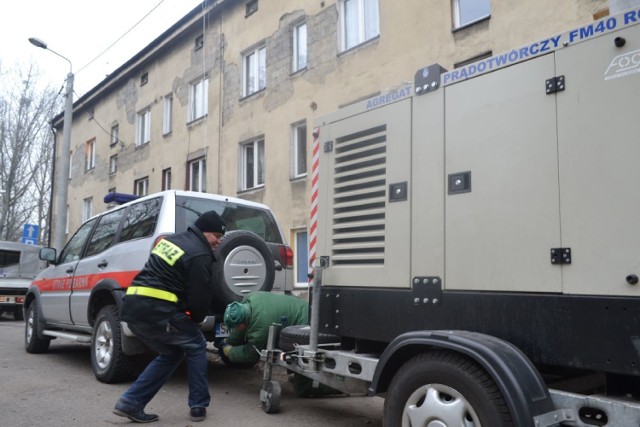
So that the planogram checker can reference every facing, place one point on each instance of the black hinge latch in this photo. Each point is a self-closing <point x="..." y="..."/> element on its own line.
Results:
<point x="560" y="255"/>
<point x="555" y="84"/>
<point x="328" y="146"/>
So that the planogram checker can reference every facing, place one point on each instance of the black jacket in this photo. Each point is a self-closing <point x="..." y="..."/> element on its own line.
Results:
<point x="182" y="264"/>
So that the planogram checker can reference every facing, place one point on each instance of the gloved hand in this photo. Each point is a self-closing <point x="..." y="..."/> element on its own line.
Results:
<point x="225" y="347"/>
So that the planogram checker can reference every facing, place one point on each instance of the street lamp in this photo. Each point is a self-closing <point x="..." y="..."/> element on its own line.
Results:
<point x="61" y="184"/>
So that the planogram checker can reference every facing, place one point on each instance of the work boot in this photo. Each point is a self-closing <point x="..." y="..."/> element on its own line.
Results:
<point x="198" y="413"/>
<point x="124" y="409"/>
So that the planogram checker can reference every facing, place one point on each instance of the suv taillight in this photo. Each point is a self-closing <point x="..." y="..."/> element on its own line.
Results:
<point x="286" y="255"/>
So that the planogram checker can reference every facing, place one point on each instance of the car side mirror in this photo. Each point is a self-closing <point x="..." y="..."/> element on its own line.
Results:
<point x="49" y="255"/>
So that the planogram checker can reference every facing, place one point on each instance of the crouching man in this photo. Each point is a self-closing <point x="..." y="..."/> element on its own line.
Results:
<point x="249" y="321"/>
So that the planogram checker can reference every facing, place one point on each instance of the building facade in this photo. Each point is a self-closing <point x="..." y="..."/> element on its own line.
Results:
<point x="225" y="100"/>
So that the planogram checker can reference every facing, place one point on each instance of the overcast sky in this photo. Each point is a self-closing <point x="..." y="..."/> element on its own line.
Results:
<point x="80" y="30"/>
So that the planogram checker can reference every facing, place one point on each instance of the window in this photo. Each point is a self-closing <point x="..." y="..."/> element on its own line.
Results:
<point x="302" y="258"/>
<point x="253" y="164"/>
<point x="141" y="220"/>
<point x="90" y="155"/>
<point x="143" y="127"/>
<point x="141" y="186"/>
<point x="105" y="231"/>
<point x="359" y="22"/>
<point x="466" y="12"/>
<point x="73" y="248"/>
<point x="198" y="175"/>
<point x="115" y="130"/>
<point x="87" y="208"/>
<point x="8" y="258"/>
<point x="167" y="114"/>
<point x="199" y="42"/>
<point x="113" y="164"/>
<point x="251" y="7"/>
<point x="199" y="100"/>
<point x="166" y="179"/>
<point x="299" y="149"/>
<point x="144" y="79"/>
<point x="299" y="47"/>
<point x="255" y="71"/>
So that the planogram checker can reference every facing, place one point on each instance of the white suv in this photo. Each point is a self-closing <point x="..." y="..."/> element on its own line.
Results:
<point x="79" y="295"/>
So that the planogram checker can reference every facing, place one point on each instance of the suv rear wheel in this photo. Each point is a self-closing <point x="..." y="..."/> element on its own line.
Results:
<point x="108" y="361"/>
<point x="244" y="265"/>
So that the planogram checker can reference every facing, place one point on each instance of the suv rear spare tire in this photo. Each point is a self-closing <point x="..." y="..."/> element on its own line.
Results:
<point x="244" y="265"/>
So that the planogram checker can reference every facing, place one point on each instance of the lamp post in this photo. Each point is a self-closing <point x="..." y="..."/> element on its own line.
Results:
<point x="61" y="184"/>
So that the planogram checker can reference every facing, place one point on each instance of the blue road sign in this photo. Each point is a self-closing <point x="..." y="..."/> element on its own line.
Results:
<point x="30" y="234"/>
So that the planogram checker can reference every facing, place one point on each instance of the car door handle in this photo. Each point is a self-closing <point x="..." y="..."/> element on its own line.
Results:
<point x="103" y="264"/>
<point x="69" y="271"/>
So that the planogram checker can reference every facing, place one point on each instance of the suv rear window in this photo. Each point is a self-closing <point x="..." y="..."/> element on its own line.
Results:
<point x="235" y="217"/>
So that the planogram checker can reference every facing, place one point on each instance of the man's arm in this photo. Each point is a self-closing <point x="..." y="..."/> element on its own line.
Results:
<point x="242" y="353"/>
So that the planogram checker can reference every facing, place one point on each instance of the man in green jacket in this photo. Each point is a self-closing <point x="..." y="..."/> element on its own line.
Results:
<point x="249" y="323"/>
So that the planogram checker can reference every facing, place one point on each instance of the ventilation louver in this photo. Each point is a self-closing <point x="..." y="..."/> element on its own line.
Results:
<point x="359" y="198"/>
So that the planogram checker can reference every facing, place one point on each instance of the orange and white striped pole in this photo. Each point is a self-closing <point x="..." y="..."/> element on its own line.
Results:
<point x="315" y="169"/>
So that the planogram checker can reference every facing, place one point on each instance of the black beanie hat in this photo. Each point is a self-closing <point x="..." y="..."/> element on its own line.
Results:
<point x="211" y="222"/>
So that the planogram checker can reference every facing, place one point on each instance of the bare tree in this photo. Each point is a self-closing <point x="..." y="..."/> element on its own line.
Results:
<point x="26" y="151"/>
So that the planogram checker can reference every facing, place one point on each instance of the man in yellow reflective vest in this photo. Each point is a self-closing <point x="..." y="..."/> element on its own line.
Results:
<point x="163" y="307"/>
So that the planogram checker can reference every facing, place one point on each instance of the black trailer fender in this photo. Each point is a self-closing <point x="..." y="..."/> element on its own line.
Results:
<point x="522" y="387"/>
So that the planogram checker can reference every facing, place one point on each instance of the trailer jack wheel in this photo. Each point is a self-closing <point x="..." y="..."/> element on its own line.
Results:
<point x="270" y="396"/>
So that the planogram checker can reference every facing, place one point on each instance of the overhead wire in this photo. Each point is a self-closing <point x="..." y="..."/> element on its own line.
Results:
<point x="121" y="37"/>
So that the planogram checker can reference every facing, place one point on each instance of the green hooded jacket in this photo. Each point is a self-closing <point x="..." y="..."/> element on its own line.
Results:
<point x="264" y="309"/>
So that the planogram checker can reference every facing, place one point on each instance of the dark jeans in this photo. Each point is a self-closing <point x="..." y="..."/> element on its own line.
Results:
<point x="172" y="341"/>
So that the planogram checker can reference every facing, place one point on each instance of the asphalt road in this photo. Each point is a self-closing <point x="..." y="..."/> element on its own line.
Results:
<point x="59" y="389"/>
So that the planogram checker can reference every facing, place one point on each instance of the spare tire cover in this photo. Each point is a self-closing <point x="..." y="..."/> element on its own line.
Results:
<point x="244" y="265"/>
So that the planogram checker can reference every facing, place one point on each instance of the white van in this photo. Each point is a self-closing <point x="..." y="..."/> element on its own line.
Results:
<point x="19" y="264"/>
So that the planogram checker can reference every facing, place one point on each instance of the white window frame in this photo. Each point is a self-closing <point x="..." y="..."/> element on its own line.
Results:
<point x="252" y="170"/>
<point x="299" y="150"/>
<point x="167" y="114"/>
<point x="300" y="266"/>
<point x="254" y="74"/>
<point x="113" y="164"/>
<point x="141" y="186"/>
<point x="90" y="155"/>
<point x="300" y="47"/>
<point x="143" y="127"/>
<point x="198" y="175"/>
<point x="359" y="22"/>
<point x="115" y="130"/>
<point x="87" y="208"/>
<point x="166" y="179"/>
<point x="459" y="5"/>
<point x="198" y="99"/>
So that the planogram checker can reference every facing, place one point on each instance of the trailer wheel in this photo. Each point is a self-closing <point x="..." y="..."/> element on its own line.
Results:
<point x="271" y="402"/>
<point x="444" y="388"/>
<point x="299" y="335"/>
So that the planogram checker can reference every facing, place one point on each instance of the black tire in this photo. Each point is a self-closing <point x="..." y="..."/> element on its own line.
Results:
<point x="108" y="361"/>
<point x="244" y="265"/>
<point x="291" y="336"/>
<point x="17" y="313"/>
<point x="271" y="403"/>
<point x="427" y="385"/>
<point x="32" y="343"/>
